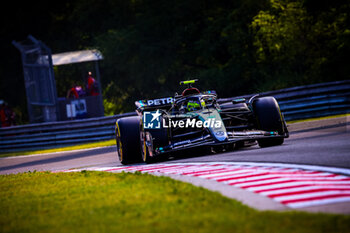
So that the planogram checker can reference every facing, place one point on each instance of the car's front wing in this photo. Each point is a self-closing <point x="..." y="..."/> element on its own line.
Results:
<point x="208" y="140"/>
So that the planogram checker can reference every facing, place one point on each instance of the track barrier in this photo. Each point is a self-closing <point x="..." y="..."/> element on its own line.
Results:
<point x="296" y="103"/>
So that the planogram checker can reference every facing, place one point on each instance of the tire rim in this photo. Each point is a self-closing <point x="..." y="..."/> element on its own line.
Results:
<point x="119" y="144"/>
<point x="147" y="146"/>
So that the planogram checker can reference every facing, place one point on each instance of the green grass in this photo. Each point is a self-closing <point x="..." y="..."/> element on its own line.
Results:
<point x="67" y="148"/>
<point x="124" y="202"/>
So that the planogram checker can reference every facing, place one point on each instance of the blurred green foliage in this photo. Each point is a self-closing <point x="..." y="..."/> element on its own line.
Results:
<point x="235" y="47"/>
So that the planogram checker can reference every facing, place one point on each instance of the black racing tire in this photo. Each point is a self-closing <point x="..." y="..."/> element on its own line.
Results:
<point x="269" y="118"/>
<point x="127" y="132"/>
<point x="156" y="138"/>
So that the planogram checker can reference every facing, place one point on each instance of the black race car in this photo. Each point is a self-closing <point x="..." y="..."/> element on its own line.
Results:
<point x="196" y="120"/>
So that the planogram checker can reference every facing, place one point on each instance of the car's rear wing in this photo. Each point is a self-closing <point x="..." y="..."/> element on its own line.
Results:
<point x="154" y="103"/>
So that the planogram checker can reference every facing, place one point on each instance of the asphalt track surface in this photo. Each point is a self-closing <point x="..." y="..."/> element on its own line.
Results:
<point x="269" y="179"/>
<point x="323" y="143"/>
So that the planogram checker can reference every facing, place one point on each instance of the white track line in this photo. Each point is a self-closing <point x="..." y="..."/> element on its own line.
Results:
<point x="318" y="202"/>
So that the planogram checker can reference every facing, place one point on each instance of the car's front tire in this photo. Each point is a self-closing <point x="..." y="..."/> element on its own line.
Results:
<point x="269" y="118"/>
<point x="127" y="132"/>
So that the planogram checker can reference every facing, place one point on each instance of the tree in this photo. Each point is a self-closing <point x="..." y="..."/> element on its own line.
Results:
<point x="294" y="47"/>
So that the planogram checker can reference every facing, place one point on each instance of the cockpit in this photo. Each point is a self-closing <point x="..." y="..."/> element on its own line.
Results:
<point x="194" y="103"/>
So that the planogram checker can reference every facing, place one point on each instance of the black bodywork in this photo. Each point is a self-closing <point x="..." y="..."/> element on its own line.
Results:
<point x="244" y="120"/>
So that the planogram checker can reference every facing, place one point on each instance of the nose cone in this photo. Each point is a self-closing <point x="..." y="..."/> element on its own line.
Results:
<point x="220" y="136"/>
<point x="214" y="124"/>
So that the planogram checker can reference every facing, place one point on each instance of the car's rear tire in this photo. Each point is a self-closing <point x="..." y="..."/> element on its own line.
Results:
<point x="127" y="132"/>
<point x="269" y="118"/>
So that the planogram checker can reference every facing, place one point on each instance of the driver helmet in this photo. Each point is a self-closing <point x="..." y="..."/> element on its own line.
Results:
<point x="203" y="103"/>
<point x="193" y="105"/>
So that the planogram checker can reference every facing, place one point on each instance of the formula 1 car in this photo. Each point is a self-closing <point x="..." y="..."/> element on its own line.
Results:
<point x="199" y="121"/>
